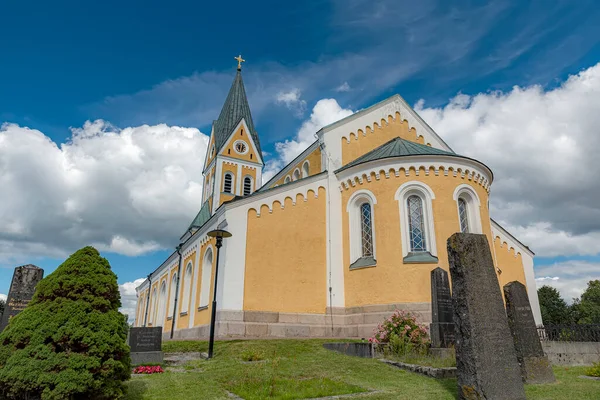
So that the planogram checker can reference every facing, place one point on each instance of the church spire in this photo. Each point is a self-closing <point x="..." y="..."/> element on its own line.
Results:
<point x="235" y="108"/>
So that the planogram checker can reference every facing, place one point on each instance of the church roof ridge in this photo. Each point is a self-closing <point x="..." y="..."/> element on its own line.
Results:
<point x="234" y="109"/>
<point x="397" y="147"/>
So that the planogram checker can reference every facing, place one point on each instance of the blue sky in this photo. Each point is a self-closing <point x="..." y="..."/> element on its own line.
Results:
<point x="134" y="63"/>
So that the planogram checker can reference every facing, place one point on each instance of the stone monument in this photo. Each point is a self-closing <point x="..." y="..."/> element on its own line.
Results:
<point x="442" y="325"/>
<point x="22" y="288"/>
<point x="535" y="367"/>
<point x="486" y="361"/>
<point x="146" y="345"/>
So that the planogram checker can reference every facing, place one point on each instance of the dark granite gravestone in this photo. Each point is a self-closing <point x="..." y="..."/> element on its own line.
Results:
<point x="535" y="367"/>
<point x="22" y="288"/>
<point x="146" y="345"/>
<point x="486" y="361"/>
<point x="442" y="325"/>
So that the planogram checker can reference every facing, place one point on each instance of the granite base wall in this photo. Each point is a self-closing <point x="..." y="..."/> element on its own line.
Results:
<point x="572" y="353"/>
<point x="351" y="322"/>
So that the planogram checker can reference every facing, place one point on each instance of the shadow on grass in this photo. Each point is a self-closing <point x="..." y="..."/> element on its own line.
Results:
<point x="136" y="389"/>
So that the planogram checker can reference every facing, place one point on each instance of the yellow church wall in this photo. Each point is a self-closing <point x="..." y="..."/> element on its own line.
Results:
<point x="392" y="281"/>
<point x="509" y="262"/>
<point x="203" y="316"/>
<point x="183" y="320"/>
<point x="286" y="256"/>
<point x="240" y="134"/>
<point x="314" y="161"/>
<point x="376" y="135"/>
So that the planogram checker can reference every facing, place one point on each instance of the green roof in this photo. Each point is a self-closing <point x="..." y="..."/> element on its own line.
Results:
<point x="235" y="108"/>
<point x="397" y="147"/>
<point x="202" y="217"/>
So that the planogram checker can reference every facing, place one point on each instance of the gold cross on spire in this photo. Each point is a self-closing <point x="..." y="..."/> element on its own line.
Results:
<point x="240" y="60"/>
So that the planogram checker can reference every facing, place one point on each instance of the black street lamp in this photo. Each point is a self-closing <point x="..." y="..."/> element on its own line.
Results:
<point x="219" y="234"/>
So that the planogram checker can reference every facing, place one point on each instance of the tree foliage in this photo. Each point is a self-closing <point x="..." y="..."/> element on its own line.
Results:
<point x="587" y="309"/>
<point x="70" y="341"/>
<point x="555" y="310"/>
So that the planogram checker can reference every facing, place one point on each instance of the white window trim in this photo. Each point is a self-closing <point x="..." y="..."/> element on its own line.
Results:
<point x="426" y="194"/>
<point x="187" y="287"/>
<point x="297" y="170"/>
<point x="162" y="299"/>
<point x="251" y="184"/>
<point x="354" y="222"/>
<point x="287" y="179"/>
<point x="206" y="275"/>
<point x="469" y="195"/>
<point x="172" y="295"/>
<point x="307" y="170"/>
<point x="232" y="182"/>
<point x="154" y="300"/>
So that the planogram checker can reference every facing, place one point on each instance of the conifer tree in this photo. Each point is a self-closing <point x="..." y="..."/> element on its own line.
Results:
<point x="70" y="341"/>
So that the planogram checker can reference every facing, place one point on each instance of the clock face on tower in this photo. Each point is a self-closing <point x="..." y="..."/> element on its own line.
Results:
<point x="240" y="147"/>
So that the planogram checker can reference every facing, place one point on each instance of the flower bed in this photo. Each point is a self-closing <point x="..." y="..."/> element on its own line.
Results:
<point x="148" y="369"/>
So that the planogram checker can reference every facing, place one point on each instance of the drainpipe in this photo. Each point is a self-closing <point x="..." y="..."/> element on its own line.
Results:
<point x="148" y="299"/>
<point x="178" y="248"/>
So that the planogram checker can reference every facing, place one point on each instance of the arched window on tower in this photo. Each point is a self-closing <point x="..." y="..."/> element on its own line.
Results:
<point x="247" y="186"/>
<point x="463" y="215"/>
<point x="228" y="183"/>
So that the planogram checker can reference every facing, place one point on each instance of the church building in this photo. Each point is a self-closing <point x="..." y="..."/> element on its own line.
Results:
<point x="342" y="236"/>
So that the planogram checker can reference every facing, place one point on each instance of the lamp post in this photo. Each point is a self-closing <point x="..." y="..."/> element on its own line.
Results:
<point x="219" y="234"/>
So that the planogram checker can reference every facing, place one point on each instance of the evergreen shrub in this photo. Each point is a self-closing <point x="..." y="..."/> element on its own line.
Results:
<point x="70" y="341"/>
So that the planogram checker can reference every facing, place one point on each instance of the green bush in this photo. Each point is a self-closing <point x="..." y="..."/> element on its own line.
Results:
<point x="70" y="341"/>
<point x="594" y="370"/>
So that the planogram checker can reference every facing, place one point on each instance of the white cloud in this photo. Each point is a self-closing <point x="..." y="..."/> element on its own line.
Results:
<point x="542" y="146"/>
<point x="293" y="101"/>
<point x="129" y="191"/>
<point x="3" y="296"/>
<point x="325" y="112"/>
<point x="344" y="87"/>
<point x="569" y="277"/>
<point x="129" y="298"/>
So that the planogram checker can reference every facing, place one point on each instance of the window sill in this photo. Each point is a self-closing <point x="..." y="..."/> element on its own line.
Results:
<point x="202" y="308"/>
<point x="363" y="262"/>
<point x="183" y="314"/>
<point x="169" y="318"/>
<point x="421" y="257"/>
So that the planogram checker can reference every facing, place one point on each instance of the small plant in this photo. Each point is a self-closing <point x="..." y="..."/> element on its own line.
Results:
<point x="403" y="334"/>
<point x="252" y="355"/>
<point x="148" y="369"/>
<point x="594" y="370"/>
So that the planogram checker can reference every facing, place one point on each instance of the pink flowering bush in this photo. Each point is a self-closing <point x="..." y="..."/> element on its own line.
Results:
<point x="402" y="334"/>
<point x="148" y="369"/>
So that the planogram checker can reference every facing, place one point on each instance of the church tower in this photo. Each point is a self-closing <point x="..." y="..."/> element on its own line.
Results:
<point x="233" y="165"/>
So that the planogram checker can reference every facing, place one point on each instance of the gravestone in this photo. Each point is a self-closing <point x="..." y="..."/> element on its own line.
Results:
<point x="442" y="326"/>
<point x="22" y="289"/>
<point x="146" y="345"/>
<point x="486" y="361"/>
<point x="535" y="367"/>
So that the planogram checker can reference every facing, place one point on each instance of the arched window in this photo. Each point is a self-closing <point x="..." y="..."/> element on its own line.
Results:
<point x="187" y="284"/>
<point x="416" y="222"/>
<point x="172" y="291"/>
<point x="212" y="185"/>
<point x="153" y="307"/>
<point x="228" y="183"/>
<point x="296" y="175"/>
<point x="463" y="215"/>
<point x="361" y="219"/>
<point x="287" y="179"/>
<point x="418" y="242"/>
<point x="162" y="300"/>
<point x="467" y="204"/>
<point x="305" y="169"/>
<point x="247" y="186"/>
<point x="207" y="265"/>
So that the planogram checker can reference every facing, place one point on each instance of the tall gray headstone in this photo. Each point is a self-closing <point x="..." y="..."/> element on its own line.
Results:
<point x="22" y="289"/>
<point x="146" y="345"/>
<point x="535" y="367"/>
<point x="486" y="361"/>
<point x="442" y="325"/>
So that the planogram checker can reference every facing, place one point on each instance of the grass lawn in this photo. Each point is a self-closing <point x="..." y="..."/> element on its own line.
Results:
<point x="297" y="369"/>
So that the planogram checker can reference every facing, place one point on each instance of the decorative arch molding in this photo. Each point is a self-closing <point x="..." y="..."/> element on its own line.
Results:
<point x="305" y="195"/>
<point x="426" y="195"/>
<point x="361" y="194"/>
<point x="375" y="170"/>
<point x="507" y="245"/>
<point x="372" y="127"/>
<point x="467" y="193"/>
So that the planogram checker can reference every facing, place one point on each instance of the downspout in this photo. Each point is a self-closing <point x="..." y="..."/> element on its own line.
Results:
<point x="148" y="299"/>
<point x="176" y="289"/>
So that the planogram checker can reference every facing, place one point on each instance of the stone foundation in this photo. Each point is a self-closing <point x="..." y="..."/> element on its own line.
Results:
<point x="351" y="322"/>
